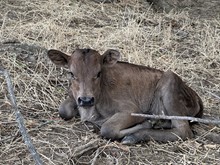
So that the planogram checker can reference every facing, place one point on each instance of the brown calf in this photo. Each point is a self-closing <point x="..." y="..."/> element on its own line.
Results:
<point x="105" y="91"/>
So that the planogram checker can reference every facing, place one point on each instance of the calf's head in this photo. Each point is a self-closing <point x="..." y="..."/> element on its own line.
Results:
<point x="85" y="68"/>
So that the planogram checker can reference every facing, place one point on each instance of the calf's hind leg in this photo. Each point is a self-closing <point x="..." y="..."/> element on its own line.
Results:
<point x="172" y="97"/>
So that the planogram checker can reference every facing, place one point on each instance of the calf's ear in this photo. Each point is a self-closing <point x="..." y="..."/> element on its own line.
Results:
<point x="110" y="57"/>
<point x="57" y="57"/>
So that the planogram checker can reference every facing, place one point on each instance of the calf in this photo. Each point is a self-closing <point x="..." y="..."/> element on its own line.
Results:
<point x="106" y="91"/>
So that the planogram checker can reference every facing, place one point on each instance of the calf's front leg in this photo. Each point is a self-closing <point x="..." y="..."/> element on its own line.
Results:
<point x="68" y="109"/>
<point x="120" y="125"/>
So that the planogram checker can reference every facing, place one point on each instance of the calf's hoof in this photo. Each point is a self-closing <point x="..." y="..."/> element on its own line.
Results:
<point x="129" y="140"/>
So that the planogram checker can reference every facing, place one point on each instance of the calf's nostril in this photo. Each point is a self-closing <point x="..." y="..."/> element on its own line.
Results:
<point x="86" y="101"/>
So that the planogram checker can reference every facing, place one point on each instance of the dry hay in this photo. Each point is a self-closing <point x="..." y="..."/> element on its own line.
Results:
<point x="195" y="8"/>
<point x="190" y="47"/>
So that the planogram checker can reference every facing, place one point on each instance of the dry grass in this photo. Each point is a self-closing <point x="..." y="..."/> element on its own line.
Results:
<point x="188" y="46"/>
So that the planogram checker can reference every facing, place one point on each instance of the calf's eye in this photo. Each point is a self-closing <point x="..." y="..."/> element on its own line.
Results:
<point x="99" y="74"/>
<point x="71" y="75"/>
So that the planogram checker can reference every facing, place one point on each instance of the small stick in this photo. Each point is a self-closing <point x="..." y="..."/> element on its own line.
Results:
<point x="20" y="120"/>
<point x="213" y="94"/>
<point x="87" y="147"/>
<point x="193" y="119"/>
<point x="95" y="157"/>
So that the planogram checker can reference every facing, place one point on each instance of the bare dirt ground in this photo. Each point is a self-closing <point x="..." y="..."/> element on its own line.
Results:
<point x="188" y="46"/>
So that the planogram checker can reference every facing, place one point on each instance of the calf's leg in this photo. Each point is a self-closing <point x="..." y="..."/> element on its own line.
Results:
<point x="172" y="97"/>
<point x="181" y="130"/>
<point x="116" y="126"/>
<point x="68" y="109"/>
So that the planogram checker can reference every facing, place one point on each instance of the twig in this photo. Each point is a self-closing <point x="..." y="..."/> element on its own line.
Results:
<point x="95" y="157"/>
<point x="192" y="119"/>
<point x="20" y="119"/>
<point x="213" y="94"/>
<point x="7" y="138"/>
<point x="83" y="149"/>
<point x="1" y="71"/>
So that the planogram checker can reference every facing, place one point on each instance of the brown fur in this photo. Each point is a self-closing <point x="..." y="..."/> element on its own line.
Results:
<point x="119" y="89"/>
